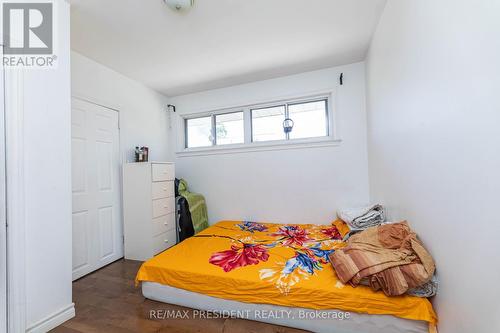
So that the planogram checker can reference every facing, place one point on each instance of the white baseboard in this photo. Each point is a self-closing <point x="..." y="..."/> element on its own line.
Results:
<point x="53" y="320"/>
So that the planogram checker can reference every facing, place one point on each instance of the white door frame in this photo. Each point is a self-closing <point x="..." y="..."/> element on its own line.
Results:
<point x="3" y="208"/>
<point x="14" y="143"/>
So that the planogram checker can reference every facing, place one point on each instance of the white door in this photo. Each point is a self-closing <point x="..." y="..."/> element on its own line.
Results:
<point x="97" y="222"/>
<point x="3" y="203"/>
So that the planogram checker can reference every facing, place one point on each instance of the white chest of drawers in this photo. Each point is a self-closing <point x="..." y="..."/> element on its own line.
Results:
<point x="148" y="209"/>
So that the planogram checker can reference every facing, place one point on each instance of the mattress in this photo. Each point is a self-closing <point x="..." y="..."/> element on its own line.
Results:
<point x="326" y="321"/>
<point x="274" y="264"/>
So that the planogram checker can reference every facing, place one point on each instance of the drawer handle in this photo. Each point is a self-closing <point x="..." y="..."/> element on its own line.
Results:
<point x="164" y="189"/>
<point x="166" y="223"/>
<point x="165" y="206"/>
<point x="166" y="240"/>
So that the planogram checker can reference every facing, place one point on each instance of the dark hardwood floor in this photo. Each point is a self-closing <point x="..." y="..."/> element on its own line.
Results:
<point x="107" y="301"/>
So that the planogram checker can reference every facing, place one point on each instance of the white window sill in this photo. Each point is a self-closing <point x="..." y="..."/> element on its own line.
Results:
<point x="260" y="146"/>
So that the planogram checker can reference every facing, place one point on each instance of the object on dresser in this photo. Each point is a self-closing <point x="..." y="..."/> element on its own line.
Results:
<point x="389" y="256"/>
<point x="141" y="154"/>
<point x="148" y="209"/>
<point x="145" y="153"/>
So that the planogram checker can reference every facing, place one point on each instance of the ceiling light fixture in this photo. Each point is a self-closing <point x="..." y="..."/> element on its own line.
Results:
<point x="179" y="5"/>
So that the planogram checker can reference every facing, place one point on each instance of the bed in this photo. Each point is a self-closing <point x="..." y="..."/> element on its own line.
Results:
<point x="284" y="268"/>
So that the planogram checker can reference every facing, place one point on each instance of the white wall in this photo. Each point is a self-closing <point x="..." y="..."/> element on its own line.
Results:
<point x="433" y="76"/>
<point x="304" y="185"/>
<point x="47" y="181"/>
<point x="143" y="116"/>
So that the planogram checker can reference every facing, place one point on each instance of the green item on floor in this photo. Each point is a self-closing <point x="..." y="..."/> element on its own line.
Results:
<point x="197" y="207"/>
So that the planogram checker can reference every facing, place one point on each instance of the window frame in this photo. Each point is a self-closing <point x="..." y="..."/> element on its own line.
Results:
<point x="214" y="127"/>
<point x="186" y="132"/>
<point x="286" y="104"/>
<point x="249" y="145"/>
<point x="259" y="107"/>
<point x="213" y="131"/>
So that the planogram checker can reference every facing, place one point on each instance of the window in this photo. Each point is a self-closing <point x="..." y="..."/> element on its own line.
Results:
<point x="229" y="128"/>
<point x="199" y="132"/>
<point x="267" y="123"/>
<point x="310" y="120"/>
<point x="260" y="124"/>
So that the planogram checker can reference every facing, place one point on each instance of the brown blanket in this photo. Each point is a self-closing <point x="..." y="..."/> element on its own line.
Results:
<point x="390" y="256"/>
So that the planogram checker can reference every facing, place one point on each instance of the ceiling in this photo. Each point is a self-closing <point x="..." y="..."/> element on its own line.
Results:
<point x="221" y="43"/>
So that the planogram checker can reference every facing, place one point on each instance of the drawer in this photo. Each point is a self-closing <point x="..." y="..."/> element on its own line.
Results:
<point x="162" y="172"/>
<point x="163" y="207"/>
<point x="163" y="224"/>
<point x="163" y="241"/>
<point x="162" y="189"/>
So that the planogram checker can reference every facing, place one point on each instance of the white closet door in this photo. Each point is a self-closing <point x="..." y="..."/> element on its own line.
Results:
<point x="97" y="223"/>
<point x="3" y="203"/>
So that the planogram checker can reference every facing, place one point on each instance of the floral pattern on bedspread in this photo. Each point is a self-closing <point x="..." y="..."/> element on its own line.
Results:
<point x="311" y="245"/>
<point x="251" y="226"/>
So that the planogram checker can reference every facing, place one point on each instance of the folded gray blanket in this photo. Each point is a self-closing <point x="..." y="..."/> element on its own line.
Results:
<point x="363" y="217"/>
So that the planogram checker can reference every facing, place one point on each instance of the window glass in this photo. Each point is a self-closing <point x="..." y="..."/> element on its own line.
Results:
<point x="267" y="124"/>
<point x="229" y="128"/>
<point x="199" y="132"/>
<point x="310" y="119"/>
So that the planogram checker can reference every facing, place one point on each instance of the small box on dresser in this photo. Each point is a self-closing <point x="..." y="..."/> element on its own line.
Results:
<point x="148" y="209"/>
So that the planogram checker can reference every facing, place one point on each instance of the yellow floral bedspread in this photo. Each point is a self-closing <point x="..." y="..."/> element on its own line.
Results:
<point x="274" y="264"/>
